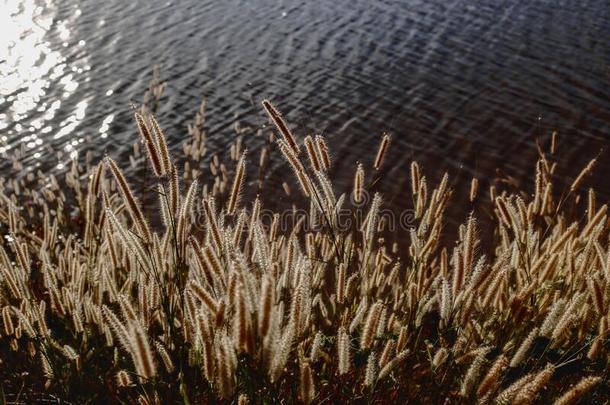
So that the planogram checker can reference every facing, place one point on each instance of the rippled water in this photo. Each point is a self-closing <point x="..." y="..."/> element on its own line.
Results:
<point x="462" y="85"/>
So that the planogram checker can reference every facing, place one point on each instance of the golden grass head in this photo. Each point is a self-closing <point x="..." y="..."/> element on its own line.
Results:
<point x="226" y="300"/>
<point x="281" y="125"/>
<point x="381" y="152"/>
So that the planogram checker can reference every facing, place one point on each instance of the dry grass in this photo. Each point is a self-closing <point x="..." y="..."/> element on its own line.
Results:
<point x="103" y="302"/>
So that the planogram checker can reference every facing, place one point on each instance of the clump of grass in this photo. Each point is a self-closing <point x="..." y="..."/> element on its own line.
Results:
<point x="214" y="303"/>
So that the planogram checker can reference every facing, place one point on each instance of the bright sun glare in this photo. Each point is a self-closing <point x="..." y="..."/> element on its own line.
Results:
<point x="32" y="64"/>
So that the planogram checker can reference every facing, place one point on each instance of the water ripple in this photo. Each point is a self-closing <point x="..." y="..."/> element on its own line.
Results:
<point x="462" y="85"/>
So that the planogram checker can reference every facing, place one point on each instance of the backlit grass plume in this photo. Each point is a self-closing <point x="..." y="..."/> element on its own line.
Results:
<point x="200" y="296"/>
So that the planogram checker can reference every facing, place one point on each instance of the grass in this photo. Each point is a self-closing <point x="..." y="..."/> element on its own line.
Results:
<point x="198" y="297"/>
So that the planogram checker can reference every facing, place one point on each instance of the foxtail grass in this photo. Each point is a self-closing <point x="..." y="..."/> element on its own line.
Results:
<point x="200" y="296"/>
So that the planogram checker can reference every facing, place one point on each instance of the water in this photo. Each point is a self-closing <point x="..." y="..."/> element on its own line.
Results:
<point x="462" y="85"/>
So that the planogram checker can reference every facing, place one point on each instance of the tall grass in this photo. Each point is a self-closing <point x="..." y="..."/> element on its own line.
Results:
<point x="101" y="301"/>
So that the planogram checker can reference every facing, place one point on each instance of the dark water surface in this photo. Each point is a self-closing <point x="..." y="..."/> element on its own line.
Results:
<point x="462" y="85"/>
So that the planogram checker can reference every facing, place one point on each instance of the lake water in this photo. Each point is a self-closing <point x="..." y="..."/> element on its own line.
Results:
<point x="462" y="85"/>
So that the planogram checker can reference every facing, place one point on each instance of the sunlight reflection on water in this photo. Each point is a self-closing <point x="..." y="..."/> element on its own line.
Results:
<point x="30" y="68"/>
